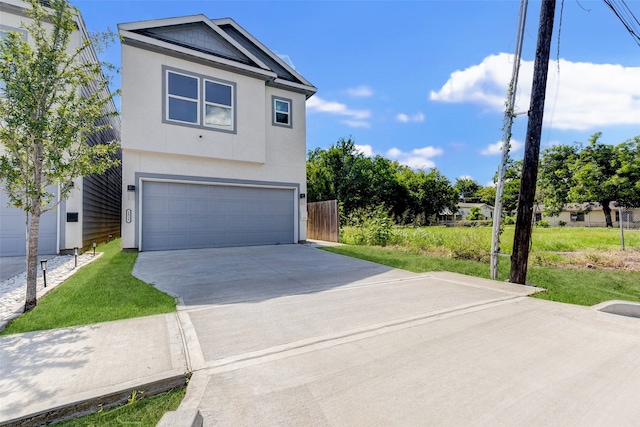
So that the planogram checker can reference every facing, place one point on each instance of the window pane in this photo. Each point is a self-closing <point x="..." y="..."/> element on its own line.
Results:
<point x="183" y="86"/>
<point x="218" y="93"/>
<point x="185" y="111"/>
<point x="217" y="116"/>
<point x="282" y="118"/>
<point x="282" y="106"/>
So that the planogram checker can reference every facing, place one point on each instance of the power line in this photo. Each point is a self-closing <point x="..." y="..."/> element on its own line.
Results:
<point x="626" y="16"/>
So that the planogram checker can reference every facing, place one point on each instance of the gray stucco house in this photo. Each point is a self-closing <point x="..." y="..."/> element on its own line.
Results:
<point x="213" y="137"/>
<point x="92" y="211"/>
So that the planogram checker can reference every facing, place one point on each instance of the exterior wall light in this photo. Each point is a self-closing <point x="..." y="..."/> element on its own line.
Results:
<point x="43" y="265"/>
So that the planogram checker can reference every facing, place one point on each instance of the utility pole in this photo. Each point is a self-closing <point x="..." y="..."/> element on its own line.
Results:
<point x="522" y="237"/>
<point x="509" y="115"/>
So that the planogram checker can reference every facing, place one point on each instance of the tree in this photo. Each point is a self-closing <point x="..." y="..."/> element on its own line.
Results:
<point x="54" y="99"/>
<point x="468" y="189"/>
<point x="627" y="179"/>
<point x="555" y="177"/>
<point x="487" y="195"/>
<point x="594" y="170"/>
<point x="475" y="214"/>
<point x="428" y="194"/>
<point x="511" y="179"/>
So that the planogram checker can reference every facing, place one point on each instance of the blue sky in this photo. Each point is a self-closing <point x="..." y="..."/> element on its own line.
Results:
<point x="424" y="82"/>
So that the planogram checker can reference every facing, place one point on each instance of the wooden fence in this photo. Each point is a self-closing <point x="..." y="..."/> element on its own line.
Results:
<point x="323" y="222"/>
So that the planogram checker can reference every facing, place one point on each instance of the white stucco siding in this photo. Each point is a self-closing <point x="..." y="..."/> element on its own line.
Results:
<point x="142" y="101"/>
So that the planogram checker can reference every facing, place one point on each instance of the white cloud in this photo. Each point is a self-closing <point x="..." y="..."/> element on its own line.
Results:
<point x="495" y="149"/>
<point x="418" y="158"/>
<point x="316" y="104"/>
<point x="582" y="96"/>
<point x="466" y="177"/>
<point x="415" y="118"/>
<point x="287" y="60"/>
<point x="367" y="150"/>
<point x="361" y="91"/>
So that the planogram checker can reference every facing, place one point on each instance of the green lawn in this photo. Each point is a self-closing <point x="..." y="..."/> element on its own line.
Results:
<point x="143" y="413"/>
<point x="101" y="291"/>
<point x="574" y="286"/>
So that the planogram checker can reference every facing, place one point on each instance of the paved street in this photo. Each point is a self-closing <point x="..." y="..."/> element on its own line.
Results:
<point x="291" y="335"/>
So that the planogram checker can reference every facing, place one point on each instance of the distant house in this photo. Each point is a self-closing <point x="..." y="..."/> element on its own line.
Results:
<point x="463" y="211"/>
<point x="92" y="211"/>
<point x="213" y="137"/>
<point x="591" y="215"/>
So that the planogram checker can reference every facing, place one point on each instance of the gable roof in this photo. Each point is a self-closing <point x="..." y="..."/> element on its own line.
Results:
<point x="220" y="43"/>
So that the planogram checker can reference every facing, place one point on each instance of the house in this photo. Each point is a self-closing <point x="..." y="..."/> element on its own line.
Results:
<point x="591" y="215"/>
<point x="464" y="209"/>
<point x="213" y="137"/>
<point x="92" y="212"/>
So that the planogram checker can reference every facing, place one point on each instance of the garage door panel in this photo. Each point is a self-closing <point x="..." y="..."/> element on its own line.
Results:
<point x="12" y="229"/>
<point x="181" y="216"/>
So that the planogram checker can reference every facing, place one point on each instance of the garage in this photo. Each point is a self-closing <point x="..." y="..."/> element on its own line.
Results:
<point x="179" y="215"/>
<point x="12" y="231"/>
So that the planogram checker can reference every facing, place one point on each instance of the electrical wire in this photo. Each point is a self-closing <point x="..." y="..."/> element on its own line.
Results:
<point x="621" y="9"/>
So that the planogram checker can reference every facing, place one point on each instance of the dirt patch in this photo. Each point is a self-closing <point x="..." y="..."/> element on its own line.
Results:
<point x="601" y="260"/>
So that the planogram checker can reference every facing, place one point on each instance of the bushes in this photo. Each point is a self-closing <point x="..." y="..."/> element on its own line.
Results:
<point x="373" y="227"/>
<point x="543" y="223"/>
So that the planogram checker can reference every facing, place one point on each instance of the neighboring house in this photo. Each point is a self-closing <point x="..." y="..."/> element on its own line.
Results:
<point x="213" y="137"/>
<point x="464" y="209"/>
<point x="591" y="215"/>
<point x="92" y="211"/>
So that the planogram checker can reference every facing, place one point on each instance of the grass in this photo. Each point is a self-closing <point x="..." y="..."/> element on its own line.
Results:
<point x="555" y="246"/>
<point x="568" y="285"/>
<point x="143" y="412"/>
<point x="101" y="291"/>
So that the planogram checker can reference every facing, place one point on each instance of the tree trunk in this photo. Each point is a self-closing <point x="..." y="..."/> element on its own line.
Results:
<point x="607" y="212"/>
<point x="32" y="258"/>
<point x="33" y="232"/>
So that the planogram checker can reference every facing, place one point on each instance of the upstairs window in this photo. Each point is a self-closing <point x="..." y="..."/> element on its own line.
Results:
<point x="199" y="101"/>
<point x="281" y="112"/>
<point x="218" y="104"/>
<point x="182" y="105"/>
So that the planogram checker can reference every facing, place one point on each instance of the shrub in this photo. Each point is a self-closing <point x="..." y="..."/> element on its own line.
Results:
<point x="509" y="220"/>
<point x="562" y="223"/>
<point x="372" y="227"/>
<point x="543" y="223"/>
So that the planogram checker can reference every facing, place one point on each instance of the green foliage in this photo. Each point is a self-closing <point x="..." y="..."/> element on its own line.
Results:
<point x="358" y="182"/>
<point x="509" y="220"/>
<point x="142" y="412"/>
<point x="562" y="223"/>
<point x="543" y="223"/>
<point x="487" y="195"/>
<point x="555" y="178"/>
<point x="371" y="226"/>
<point x="102" y="291"/>
<point x="468" y="189"/>
<point x="475" y="214"/>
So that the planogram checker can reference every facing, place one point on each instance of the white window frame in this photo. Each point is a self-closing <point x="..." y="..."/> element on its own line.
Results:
<point x="182" y="98"/>
<point x="274" y="102"/>
<point x="201" y="101"/>
<point x="228" y="107"/>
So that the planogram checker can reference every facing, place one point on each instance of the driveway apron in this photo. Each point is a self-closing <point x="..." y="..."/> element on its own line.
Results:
<point x="292" y="335"/>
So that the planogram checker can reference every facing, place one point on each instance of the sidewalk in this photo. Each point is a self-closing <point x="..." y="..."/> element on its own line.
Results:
<point x="50" y="375"/>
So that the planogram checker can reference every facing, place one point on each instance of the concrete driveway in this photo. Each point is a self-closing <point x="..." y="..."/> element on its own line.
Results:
<point x="291" y="335"/>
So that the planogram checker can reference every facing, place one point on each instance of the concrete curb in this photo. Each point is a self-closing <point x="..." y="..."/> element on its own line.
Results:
<point x="103" y="399"/>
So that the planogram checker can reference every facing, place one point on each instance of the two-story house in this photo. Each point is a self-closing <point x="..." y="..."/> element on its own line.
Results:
<point x="92" y="211"/>
<point x="213" y="137"/>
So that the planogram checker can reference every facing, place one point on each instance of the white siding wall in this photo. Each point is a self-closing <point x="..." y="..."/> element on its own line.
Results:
<point x="258" y="151"/>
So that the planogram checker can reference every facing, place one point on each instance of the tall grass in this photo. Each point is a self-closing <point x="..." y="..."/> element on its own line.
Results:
<point x="475" y="243"/>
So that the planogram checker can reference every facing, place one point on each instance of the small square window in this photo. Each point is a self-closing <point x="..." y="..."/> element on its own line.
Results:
<point x="281" y="112"/>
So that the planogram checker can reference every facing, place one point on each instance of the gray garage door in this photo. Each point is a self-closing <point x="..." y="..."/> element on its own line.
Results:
<point x="12" y="231"/>
<point x="186" y="216"/>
